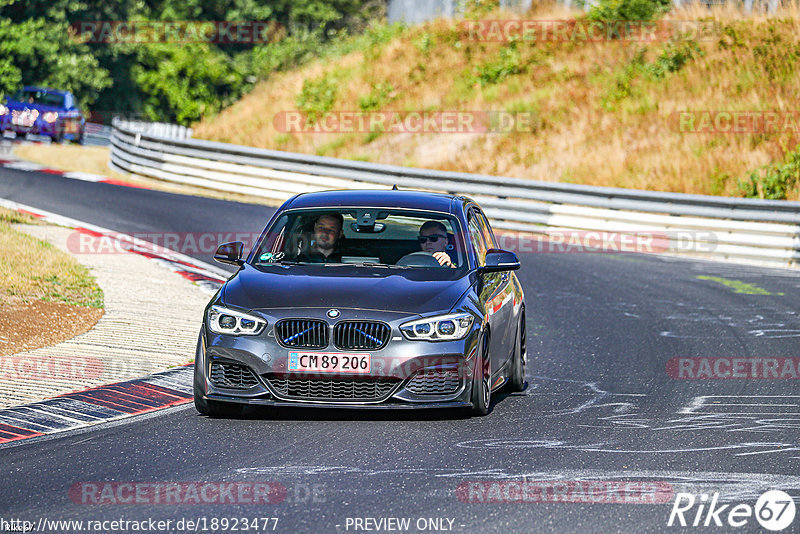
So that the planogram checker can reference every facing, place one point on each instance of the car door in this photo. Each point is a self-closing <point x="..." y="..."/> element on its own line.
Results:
<point x="504" y="298"/>
<point x="489" y="285"/>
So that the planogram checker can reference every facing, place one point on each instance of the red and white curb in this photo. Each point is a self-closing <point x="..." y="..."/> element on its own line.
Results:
<point x="113" y="401"/>
<point x="97" y="405"/>
<point x="20" y="165"/>
<point x="208" y="277"/>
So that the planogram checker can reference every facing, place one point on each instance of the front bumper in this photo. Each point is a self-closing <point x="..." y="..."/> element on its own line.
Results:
<point x="404" y="369"/>
<point x="342" y="405"/>
<point x="37" y="128"/>
<point x="69" y="128"/>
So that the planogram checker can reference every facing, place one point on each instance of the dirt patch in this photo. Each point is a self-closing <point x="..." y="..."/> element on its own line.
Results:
<point x="32" y="325"/>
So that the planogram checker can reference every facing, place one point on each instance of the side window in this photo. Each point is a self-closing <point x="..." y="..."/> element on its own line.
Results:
<point x="477" y="239"/>
<point x="488" y="236"/>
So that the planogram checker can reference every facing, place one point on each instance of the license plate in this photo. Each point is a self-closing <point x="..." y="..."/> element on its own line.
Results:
<point x="24" y="120"/>
<point x="329" y="362"/>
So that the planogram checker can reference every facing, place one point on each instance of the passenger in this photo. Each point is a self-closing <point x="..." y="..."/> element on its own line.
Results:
<point x="433" y="240"/>
<point x="325" y="245"/>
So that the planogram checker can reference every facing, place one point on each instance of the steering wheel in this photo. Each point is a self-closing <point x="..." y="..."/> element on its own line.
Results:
<point x="418" y="259"/>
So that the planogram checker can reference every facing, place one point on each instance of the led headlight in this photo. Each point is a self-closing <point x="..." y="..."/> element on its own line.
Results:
<point x="223" y="320"/>
<point x="440" y="328"/>
<point x="50" y="117"/>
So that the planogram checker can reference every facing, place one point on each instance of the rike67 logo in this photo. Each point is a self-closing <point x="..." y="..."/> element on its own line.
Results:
<point x="774" y="510"/>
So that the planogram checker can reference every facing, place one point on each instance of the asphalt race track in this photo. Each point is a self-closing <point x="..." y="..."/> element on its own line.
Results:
<point x="602" y="424"/>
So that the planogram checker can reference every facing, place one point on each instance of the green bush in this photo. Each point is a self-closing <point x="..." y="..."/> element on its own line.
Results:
<point x="281" y="55"/>
<point x="508" y="63"/>
<point x="423" y="44"/>
<point x="673" y="58"/>
<point x="613" y="10"/>
<point x="381" y="94"/>
<point x="475" y="9"/>
<point x="172" y="78"/>
<point x="317" y="97"/>
<point x="774" y="181"/>
<point x="622" y="86"/>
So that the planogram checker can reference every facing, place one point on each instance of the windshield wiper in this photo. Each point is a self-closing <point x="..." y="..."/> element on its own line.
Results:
<point x="362" y="264"/>
<point x="388" y="266"/>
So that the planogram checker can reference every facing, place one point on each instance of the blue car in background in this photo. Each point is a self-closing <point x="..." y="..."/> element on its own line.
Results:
<point x="42" y="112"/>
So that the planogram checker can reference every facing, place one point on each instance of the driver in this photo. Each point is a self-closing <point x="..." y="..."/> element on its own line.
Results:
<point x="324" y="247"/>
<point x="433" y="240"/>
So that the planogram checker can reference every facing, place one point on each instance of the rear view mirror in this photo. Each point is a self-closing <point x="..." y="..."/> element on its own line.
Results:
<point x="230" y="253"/>
<point x="375" y="228"/>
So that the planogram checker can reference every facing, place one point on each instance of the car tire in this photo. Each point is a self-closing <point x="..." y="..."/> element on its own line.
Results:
<point x="516" y="382"/>
<point x="481" y="382"/>
<point x="216" y="408"/>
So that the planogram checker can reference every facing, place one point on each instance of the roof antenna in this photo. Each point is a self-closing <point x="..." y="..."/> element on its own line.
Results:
<point x="395" y="188"/>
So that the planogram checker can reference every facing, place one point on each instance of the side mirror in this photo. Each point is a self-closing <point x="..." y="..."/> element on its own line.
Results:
<point x="500" y="260"/>
<point x="230" y="253"/>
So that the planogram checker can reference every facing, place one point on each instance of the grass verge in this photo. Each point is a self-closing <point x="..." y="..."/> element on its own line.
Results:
<point x="33" y="270"/>
<point x="606" y="112"/>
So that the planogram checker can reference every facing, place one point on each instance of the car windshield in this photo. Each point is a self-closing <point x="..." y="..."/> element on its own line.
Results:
<point x="367" y="237"/>
<point x="39" y="97"/>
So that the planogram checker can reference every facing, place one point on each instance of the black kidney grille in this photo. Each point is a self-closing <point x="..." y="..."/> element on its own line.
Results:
<point x="302" y="333"/>
<point x="232" y="375"/>
<point x="435" y="382"/>
<point x="361" y="335"/>
<point x="333" y="388"/>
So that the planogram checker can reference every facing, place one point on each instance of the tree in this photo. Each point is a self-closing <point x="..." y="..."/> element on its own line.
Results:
<point x="37" y="52"/>
<point x="169" y="81"/>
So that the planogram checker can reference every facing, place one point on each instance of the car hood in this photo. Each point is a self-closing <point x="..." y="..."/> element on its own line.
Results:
<point x="414" y="291"/>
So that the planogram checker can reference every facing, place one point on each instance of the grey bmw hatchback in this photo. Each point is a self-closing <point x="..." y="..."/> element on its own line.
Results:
<point x="365" y="299"/>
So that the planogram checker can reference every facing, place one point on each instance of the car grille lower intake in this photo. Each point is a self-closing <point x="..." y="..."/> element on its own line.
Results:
<point x="361" y="335"/>
<point x="435" y="382"/>
<point x="332" y="389"/>
<point x="302" y="333"/>
<point x="232" y="376"/>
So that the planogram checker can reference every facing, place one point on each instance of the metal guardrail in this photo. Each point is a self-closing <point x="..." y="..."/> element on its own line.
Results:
<point x="718" y="227"/>
<point x="96" y="134"/>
